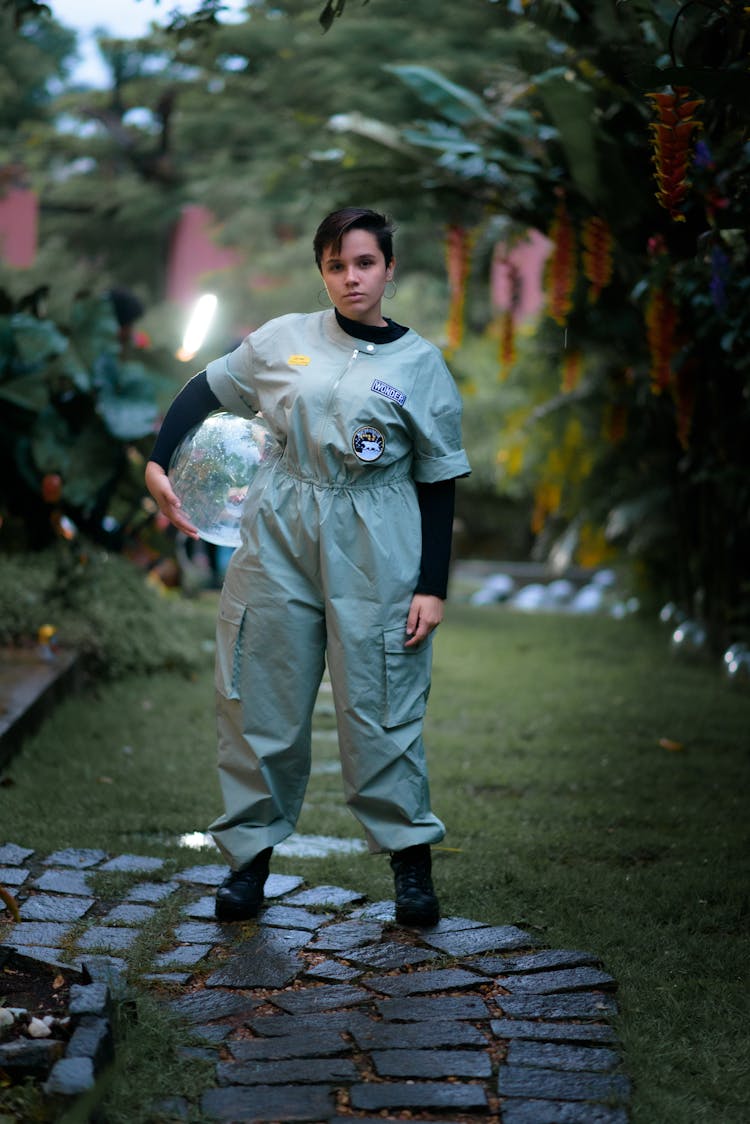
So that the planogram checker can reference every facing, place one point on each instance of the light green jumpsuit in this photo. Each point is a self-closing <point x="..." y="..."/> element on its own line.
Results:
<point x="327" y="568"/>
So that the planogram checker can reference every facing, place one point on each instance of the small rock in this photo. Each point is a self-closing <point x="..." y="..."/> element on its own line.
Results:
<point x="7" y="1018"/>
<point x="38" y="1029"/>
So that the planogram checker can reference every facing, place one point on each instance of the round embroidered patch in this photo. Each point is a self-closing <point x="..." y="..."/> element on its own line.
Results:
<point x="368" y="443"/>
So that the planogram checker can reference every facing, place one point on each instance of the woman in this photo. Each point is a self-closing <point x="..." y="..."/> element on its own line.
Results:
<point x="344" y="557"/>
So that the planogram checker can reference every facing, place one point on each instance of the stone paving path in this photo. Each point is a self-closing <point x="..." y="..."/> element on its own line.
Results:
<point x="326" y="1011"/>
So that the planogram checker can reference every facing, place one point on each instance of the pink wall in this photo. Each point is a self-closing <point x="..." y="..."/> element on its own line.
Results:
<point x="193" y="254"/>
<point x="527" y="258"/>
<point x="18" y="227"/>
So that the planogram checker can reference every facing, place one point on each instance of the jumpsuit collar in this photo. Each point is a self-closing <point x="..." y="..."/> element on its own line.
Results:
<point x="336" y="334"/>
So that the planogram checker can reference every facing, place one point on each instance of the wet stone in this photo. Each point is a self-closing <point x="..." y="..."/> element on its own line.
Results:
<point x="279" y="884"/>
<point x="75" y="857"/>
<point x="211" y="1032"/>
<point x="560" y="1112"/>
<point x="193" y="932"/>
<point x="48" y="934"/>
<point x="378" y="911"/>
<point x="167" y="978"/>
<point x="110" y="970"/>
<point x="556" y="1032"/>
<point x="14" y="855"/>
<point x="545" y="961"/>
<point x="332" y="971"/>
<point x="548" y="1055"/>
<point x="320" y="999"/>
<point x="347" y="935"/>
<point x="150" y="891"/>
<point x="269" y="959"/>
<point x="196" y="1053"/>
<point x="92" y="1038"/>
<point x="273" y="1026"/>
<point x="335" y="896"/>
<point x="414" y="983"/>
<point x="205" y="1006"/>
<point x="70" y="1077"/>
<point x="464" y="942"/>
<point x="289" y="917"/>
<point x="64" y="882"/>
<point x="390" y="955"/>
<point x="548" y="983"/>
<point x="108" y="940"/>
<point x="51" y="957"/>
<point x="128" y="915"/>
<point x="202" y="909"/>
<point x="268" y="1103"/>
<point x="587" y="1005"/>
<point x="455" y="925"/>
<point x="134" y="864"/>
<point x="13" y="875"/>
<point x="392" y="1095"/>
<point x="316" y="1044"/>
<point x="90" y="999"/>
<point x="417" y="1035"/>
<point x="204" y="874"/>
<point x="300" y="1071"/>
<point x="435" y="1007"/>
<point x="52" y="907"/>
<point x="552" y="1084"/>
<point x="431" y="1063"/>
<point x="184" y="957"/>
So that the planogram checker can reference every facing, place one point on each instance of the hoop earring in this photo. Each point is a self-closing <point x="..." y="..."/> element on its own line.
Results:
<point x="324" y="300"/>
<point x="390" y="296"/>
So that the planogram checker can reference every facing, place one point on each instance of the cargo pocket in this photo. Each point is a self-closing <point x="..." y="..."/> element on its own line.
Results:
<point x="407" y="678"/>
<point x="229" y="629"/>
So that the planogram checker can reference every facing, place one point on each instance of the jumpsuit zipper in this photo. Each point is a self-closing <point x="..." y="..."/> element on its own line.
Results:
<point x="329" y="400"/>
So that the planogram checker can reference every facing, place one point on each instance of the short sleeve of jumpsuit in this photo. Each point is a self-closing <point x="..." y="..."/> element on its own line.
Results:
<point x="326" y="570"/>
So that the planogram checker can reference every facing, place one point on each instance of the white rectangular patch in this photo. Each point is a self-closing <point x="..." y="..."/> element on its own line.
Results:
<point x="388" y="391"/>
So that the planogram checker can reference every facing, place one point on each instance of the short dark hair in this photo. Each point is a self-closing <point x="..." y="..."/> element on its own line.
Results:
<point x="338" y="223"/>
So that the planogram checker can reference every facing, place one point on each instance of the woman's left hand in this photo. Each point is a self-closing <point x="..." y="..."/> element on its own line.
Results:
<point x="425" y="614"/>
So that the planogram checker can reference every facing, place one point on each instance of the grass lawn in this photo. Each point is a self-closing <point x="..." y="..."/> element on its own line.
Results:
<point x="565" y="815"/>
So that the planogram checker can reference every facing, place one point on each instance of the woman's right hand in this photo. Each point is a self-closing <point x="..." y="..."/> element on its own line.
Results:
<point x="160" y="488"/>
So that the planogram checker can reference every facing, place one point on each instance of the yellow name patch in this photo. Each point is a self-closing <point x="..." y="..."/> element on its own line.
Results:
<point x="298" y="360"/>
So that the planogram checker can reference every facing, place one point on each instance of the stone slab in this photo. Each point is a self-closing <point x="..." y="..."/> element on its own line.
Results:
<point x="291" y="917"/>
<point x="279" y="884"/>
<point x="271" y="1026"/>
<point x="434" y="1007"/>
<point x="196" y="1053"/>
<point x="417" y="1035"/>
<point x="550" y="1055"/>
<point x="269" y="959"/>
<point x="431" y="1063"/>
<point x="13" y="876"/>
<point x="334" y="896"/>
<point x="322" y="998"/>
<point x="259" y="1103"/>
<point x="560" y="1112"/>
<point x="80" y="858"/>
<point x="107" y="939"/>
<point x="315" y="1044"/>
<point x="455" y="925"/>
<point x="390" y="954"/>
<point x="13" y="855"/>
<point x="128" y="915"/>
<point x="384" y="911"/>
<point x="566" y="980"/>
<point x="211" y="1032"/>
<point x="93" y="1039"/>
<point x="545" y="961"/>
<point x="90" y="999"/>
<point x="150" y="891"/>
<point x="49" y="957"/>
<point x="55" y="907"/>
<point x="347" y="935"/>
<point x="204" y="874"/>
<point x="195" y="932"/>
<point x="186" y="956"/>
<point x="29" y="1057"/>
<point x="70" y="1077"/>
<point x="110" y="970"/>
<point x="465" y="942"/>
<point x="373" y="1097"/>
<point x="48" y="934"/>
<point x="553" y="1031"/>
<point x="585" y="1005"/>
<point x="556" y="1085"/>
<point x="416" y="983"/>
<point x="64" y="882"/>
<point x="168" y="978"/>
<point x="332" y="971"/>
<point x="299" y="1071"/>
<point x="201" y="910"/>
<point x="205" y="1006"/>
<point x="133" y="864"/>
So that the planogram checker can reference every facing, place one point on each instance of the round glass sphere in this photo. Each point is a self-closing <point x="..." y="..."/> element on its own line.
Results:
<point x="689" y="640"/>
<point x="737" y="666"/>
<point x="211" y="470"/>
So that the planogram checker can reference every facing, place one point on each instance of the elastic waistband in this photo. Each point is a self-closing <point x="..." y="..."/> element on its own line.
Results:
<point x="375" y="479"/>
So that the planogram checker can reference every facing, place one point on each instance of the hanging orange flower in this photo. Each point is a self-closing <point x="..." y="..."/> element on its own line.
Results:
<point x="547" y="499"/>
<point x="572" y="369"/>
<point x="458" y="260"/>
<point x="507" y="349"/>
<point x="597" y="255"/>
<point x="661" y="331"/>
<point x="672" y="140"/>
<point x="560" y="272"/>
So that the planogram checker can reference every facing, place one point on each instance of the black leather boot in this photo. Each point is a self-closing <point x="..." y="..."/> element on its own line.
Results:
<point x="416" y="902"/>
<point x="240" y="895"/>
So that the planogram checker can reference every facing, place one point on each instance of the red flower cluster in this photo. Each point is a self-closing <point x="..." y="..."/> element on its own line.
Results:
<point x="661" y="329"/>
<point x="597" y="255"/>
<point x="560" y="272"/>
<point x="672" y="139"/>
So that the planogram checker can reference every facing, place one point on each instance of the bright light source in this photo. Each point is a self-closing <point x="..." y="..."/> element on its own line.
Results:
<point x="198" y="325"/>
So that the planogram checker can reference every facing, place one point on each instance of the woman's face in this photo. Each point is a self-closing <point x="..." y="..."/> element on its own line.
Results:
<point x="356" y="276"/>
